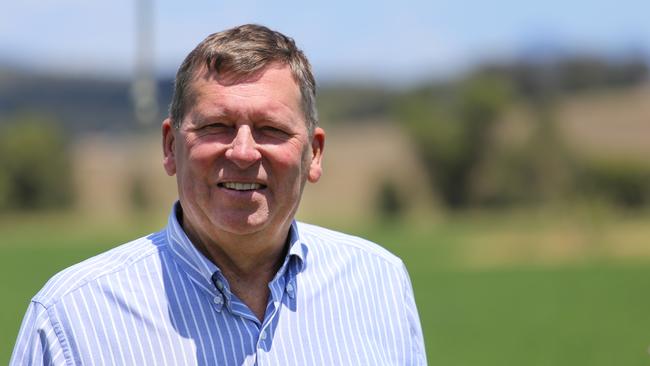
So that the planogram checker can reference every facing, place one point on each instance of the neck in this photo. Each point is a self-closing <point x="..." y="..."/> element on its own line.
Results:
<point x="242" y="255"/>
<point x="248" y="262"/>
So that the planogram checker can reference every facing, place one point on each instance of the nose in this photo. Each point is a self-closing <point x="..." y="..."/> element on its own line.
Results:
<point x="243" y="150"/>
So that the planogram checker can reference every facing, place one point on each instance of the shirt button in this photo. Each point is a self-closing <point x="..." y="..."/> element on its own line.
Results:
<point x="218" y="300"/>
<point x="290" y="290"/>
<point x="263" y="335"/>
<point x="219" y="285"/>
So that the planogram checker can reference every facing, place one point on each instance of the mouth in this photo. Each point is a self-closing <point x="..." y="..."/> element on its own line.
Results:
<point x="238" y="186"/>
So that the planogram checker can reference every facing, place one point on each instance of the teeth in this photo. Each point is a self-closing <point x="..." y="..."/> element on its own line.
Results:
<point x="242" y="186"/>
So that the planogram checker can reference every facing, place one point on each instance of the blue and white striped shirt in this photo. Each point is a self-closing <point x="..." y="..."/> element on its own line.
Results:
<point x="336" y="300"/>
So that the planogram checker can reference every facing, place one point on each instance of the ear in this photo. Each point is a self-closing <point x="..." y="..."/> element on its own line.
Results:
<point x="317" y="146"/>
<point x="168" y="145"/>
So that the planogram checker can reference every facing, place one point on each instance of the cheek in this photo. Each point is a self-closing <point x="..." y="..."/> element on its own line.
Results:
<point x="197" y="169"/>
<point x="201" y="156"/>
<point x="288" y="159"/>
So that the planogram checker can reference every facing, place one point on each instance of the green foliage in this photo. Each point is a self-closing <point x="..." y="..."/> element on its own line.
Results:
<point x="539" y="169"/>
<point x="451" y="130"/>
<point x="507" y="179"/>
<point x="390" y="204"/>
<point x="138" y="193"/>
<point x="34" y="164"/>
<point x="623" y="183"/>
<point x="352" y="103"/>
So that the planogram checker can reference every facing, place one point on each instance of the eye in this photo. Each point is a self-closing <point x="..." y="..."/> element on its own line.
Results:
<point x="215" y="126"/>
<point x="274" y="131"/>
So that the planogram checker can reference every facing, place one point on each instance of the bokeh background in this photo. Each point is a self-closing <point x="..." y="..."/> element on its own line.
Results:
<point x="500" y="148"/>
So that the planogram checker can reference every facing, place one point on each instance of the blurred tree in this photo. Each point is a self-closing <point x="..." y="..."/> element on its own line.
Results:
<point x="624" y="183"/>
<point x="450" y="130"/>
<point x="139" y="195"/>
<point x="543" y="170"/>
<point x="390" y="204"/>
<point x="35" y="164"/>
<point x="353" y="103"/>
<point x="550" y="162"/>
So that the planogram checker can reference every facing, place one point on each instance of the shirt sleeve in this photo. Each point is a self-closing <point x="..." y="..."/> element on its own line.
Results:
<point x="37" y="342"/>
<point x="419" y="356"/>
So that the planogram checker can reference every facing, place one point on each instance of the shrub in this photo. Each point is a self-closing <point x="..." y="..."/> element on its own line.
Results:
<point x="35" y="164"/>
<point x="624" y="183"/>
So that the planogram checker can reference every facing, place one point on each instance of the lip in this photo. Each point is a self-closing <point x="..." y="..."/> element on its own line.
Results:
<point x="241" y="180"/>
<point x="243" y="185"/>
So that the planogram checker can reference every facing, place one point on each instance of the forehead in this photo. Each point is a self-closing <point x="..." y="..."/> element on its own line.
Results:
<point x="274" y="85"/>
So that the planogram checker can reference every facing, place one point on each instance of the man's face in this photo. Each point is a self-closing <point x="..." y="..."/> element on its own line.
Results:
<point x="242" y="154"/>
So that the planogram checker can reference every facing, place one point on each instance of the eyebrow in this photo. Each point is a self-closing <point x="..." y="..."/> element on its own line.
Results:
<point x="203" y="117"/>
<point x="271" y="115"/>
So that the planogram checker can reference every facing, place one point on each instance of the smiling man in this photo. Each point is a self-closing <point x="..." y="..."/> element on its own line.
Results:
<point x="233" y="279"/>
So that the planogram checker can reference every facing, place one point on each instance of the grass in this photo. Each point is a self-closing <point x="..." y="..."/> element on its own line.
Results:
<point x="589" y="307"/>
<point x="561" y="316"/>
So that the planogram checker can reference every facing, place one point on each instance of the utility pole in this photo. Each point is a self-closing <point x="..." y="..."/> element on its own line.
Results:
<point x="143" y="88"/>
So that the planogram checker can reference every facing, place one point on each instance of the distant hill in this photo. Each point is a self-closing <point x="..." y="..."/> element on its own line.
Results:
<point x="83" y="104"/>
<point x="80" y="104"/>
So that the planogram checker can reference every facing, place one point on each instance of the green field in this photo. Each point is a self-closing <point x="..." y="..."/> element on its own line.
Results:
<point x="586" y="308"/>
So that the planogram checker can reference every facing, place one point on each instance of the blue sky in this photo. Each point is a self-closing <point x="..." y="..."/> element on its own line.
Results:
<point x="389" y="40"/>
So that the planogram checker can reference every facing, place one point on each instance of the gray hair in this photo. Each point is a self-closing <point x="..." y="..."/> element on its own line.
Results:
<point x="242" y="51"/>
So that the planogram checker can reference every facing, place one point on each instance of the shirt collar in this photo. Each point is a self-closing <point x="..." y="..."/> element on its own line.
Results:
<point x="201" y="269"/>
<point x="297" y="248"/>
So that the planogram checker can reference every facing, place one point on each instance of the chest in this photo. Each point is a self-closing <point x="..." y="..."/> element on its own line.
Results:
<point x="311" y="325"/>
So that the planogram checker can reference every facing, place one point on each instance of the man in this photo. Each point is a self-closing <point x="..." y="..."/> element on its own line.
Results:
<point x="233" y="279"/>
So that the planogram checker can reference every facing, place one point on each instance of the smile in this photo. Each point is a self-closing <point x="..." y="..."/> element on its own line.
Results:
<point x="241" y="186"/>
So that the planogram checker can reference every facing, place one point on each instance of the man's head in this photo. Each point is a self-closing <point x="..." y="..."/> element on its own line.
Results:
<point x="239" y="139"/>
<point x="241" y="52"/>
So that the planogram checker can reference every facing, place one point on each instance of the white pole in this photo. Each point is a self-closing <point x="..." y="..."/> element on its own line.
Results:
<point x="144" y="83"/>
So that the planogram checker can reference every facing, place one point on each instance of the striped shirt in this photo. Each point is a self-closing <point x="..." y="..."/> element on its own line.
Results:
<point x="336" y="300"/>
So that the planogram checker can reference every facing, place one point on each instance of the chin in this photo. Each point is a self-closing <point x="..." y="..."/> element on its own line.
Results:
<point x="245" y="224"/>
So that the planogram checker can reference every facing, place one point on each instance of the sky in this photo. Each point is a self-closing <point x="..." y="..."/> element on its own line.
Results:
<point x="389" y="40"/>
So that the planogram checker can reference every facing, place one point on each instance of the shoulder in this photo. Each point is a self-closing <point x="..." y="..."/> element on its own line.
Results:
<point x="327" y="239"/>
<point x="109" y="263"/>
